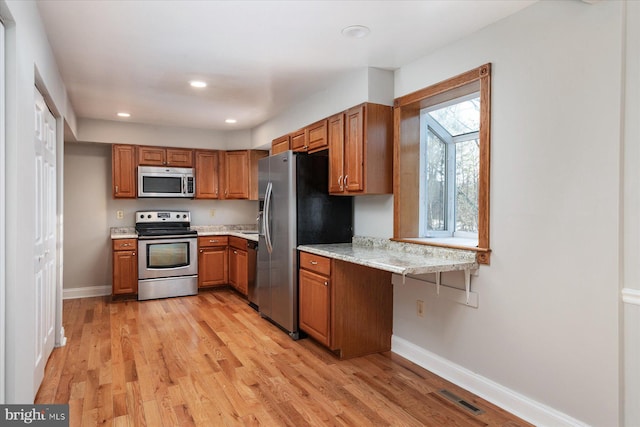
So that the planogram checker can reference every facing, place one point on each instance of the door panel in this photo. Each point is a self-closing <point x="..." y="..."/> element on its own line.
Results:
<point x="45" y="235"/>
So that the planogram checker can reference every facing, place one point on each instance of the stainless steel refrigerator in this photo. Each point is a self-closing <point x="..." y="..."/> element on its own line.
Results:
<point x="295" y="209"/>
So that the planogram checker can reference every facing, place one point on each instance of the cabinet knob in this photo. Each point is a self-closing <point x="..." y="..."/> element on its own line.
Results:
<point x="134" y="254"/>
<point x="200" y="250"/>
<point x="326" y="283"/>
<point x="235" y="252"/>
<point x="116" y="188"/>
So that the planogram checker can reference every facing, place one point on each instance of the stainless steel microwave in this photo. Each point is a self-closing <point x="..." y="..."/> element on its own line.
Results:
<point x="158" y="181"/>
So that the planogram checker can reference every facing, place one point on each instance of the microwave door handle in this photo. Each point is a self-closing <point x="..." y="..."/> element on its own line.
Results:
<point x="184" y="185"/>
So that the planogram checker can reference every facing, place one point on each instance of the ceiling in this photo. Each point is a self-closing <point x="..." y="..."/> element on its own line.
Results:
<point x="257" y="57"/>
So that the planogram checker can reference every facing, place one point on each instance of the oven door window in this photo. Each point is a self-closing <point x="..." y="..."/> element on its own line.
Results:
<point x="167" y="255"/>
<point x="162" y="184"/>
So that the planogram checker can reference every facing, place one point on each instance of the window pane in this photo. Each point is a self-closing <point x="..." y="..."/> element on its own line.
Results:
<point x="436" y="183"/>
<point x="467" y="172"/>
<point x="460" y="118"/>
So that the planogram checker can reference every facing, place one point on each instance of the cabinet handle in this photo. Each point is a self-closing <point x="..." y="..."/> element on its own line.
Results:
<point x="116" y="189"/>
<point x="213" y="241"/>
<point x="345" y="180"/>
<point x="340" y="182"/>
<point x="314" y="262"/>
<point x="126" y="244"/>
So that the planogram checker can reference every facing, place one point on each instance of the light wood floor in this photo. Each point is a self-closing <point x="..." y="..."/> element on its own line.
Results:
<point x="211" y="360"/>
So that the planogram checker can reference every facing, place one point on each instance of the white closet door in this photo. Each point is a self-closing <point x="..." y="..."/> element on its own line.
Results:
<point x="2" y="219"/>
<point x="45" y="234"/>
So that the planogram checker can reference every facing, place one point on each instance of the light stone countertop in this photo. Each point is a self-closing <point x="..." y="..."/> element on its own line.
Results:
<point x="245" y="231"/>
<point x="396" y="257"/>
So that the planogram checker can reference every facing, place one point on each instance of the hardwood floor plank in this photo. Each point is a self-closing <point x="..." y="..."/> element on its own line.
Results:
<point x="211" y="360"/>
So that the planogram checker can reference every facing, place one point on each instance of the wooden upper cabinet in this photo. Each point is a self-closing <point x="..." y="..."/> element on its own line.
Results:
<point x="159" y="156"/>
<point x="365" y="164"/>
<point x="206" y="174"/>
<point x="123" y="169"/>
<point x="179" y="157"/>
<point x="299" y="140"/>
<point x="317" y="136"/>
<point x="280" y="145"/>
<point x="240" y="172"/>
<point x="336" y="153"/>
<point x="310" y="139"/>
<point x="236" y="166"/>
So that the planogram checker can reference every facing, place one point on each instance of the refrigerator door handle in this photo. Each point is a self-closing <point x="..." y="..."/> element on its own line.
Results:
<point x="266" y="217"/>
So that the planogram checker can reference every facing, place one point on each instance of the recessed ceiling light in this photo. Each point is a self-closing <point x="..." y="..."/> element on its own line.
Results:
<point x="356" y="31"/>
<point x="197" y="83"/>
<point x="231" y="121"/>
<point x="124" y="115"/>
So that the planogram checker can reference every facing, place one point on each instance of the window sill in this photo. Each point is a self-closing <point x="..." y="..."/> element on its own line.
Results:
<point x="482" y="254"/>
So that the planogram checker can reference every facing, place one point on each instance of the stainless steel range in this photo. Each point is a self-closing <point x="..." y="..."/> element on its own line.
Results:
<point x="167" y="254"/>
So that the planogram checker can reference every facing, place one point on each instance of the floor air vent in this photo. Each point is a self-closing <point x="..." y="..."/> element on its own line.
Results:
<point x="460" y="402"/>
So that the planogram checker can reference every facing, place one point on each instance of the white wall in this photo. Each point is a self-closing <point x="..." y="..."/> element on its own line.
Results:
<point x="27" y="52"/>
<point x="90" y="211"/>
<point x="548" y="322"/>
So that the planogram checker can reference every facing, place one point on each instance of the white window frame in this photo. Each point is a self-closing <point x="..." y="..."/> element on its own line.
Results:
<point x="427" y="122"/>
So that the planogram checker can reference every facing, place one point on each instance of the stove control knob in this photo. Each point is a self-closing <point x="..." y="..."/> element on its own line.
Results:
<point x="184" y="216"/>
<point x="141" y="216"/>
<point x="149" y="216"/>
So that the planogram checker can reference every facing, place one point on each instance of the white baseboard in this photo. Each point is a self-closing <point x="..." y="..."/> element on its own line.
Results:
<point x="509" y="400"/>
<point x="87" y="292"/>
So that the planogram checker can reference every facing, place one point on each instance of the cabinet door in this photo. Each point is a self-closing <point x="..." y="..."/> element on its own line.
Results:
<point x="354" y="149"/>
<point x="213" y="266"/>
<point x="335" y="135"/>
<point x="317" y="136"/>
<point x="238" y="270"/>
<point x="152" y="156"/>
<point x="206" y="171"/>
<point x="179" y="158"/>
<point x="314" y="305"/>
<point x="242" y="272"/>
<point x="237" y="175"/>
<point x="125" y="272"/>
<point x="280" y="145"/>
<point x="123" y="168"/>
<point x="299" y="140"/>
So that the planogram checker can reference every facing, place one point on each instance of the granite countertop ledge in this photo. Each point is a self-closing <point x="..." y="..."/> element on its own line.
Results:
<point x="246" y="231"/>
<point x="396" y="257"/>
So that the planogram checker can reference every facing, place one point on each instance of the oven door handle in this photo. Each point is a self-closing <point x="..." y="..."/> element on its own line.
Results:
<point x="169" y="236"/>
<point x="266" y="217"/>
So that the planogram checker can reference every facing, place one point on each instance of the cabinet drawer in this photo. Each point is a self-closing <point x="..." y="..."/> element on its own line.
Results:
<point x="206" y="241"/>
<point x="238" y="242"/>
<point x="316" y="263"/>
<point x="124" y="244"/>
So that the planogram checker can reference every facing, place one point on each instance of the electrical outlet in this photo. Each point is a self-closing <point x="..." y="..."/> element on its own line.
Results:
<point x="120" y="214"/>
<point x="212" y="213"/>
<point x="420" y="308"/>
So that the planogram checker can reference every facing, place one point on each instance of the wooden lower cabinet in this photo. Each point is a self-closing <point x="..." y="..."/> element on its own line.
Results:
<point x="213" y="261"/>
<point x="315" y="306"/>
<point x="238" y="265"/>
<point x="125" y="267"/>
<point x="345" y="306"/>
